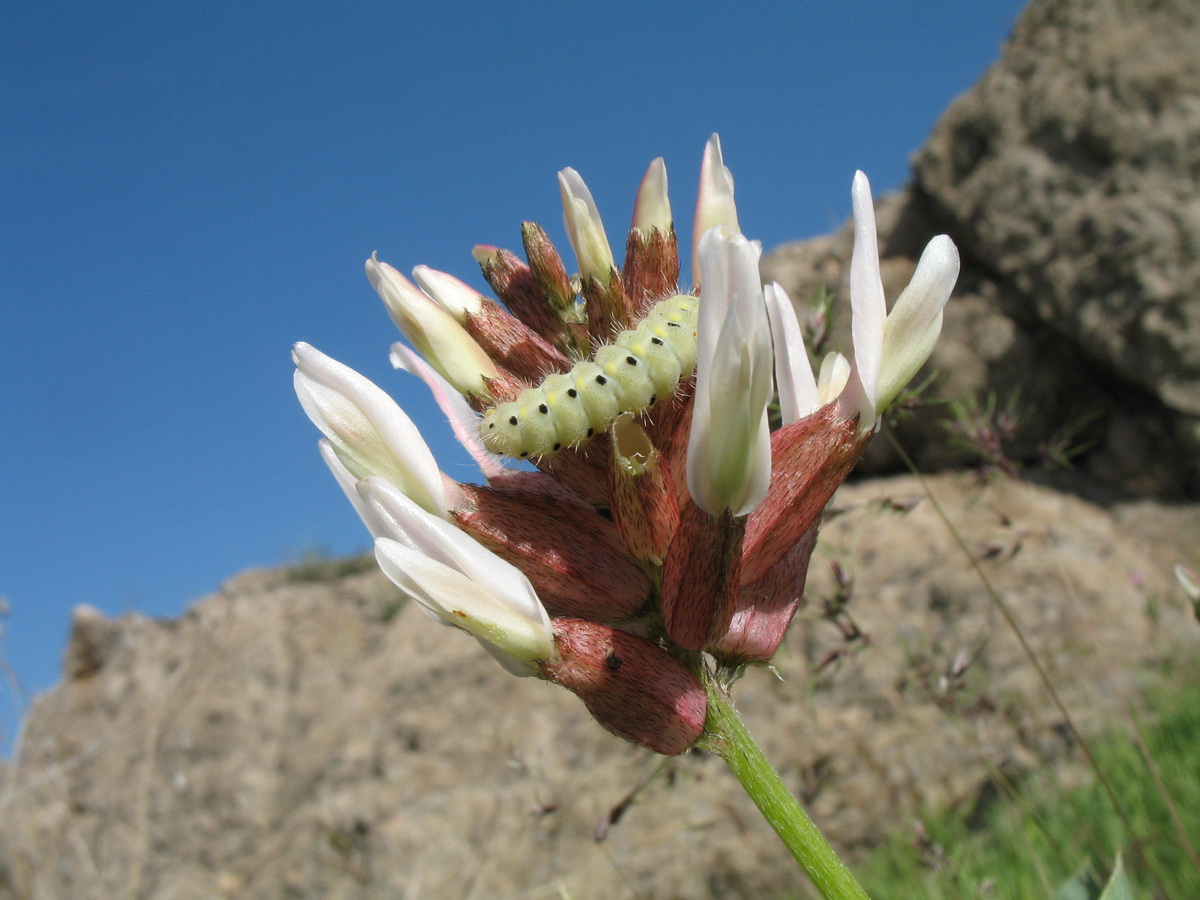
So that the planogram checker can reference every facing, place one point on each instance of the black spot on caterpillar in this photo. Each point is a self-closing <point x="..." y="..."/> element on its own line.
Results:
<point x="640" y="367"/>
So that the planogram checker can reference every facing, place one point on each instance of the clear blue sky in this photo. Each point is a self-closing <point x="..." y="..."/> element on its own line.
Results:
<point x="188" y="188"/>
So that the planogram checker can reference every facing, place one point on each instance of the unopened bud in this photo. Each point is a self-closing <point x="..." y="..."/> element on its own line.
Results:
<point x="585" y="228"/>
<point x="651" y="269"/>
<point x="518" y="289"/>
<point x="631" y="686"/>
<point x="547" y="267"/>
<point x="600" y="280"/>
<point x="431" y="330"/>
<point x="652" y="211"/>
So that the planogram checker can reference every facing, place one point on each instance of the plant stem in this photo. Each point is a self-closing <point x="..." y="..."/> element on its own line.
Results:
<point x="730" y="740"/>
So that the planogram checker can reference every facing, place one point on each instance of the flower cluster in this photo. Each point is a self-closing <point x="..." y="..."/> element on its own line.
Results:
<point x="673" y="528"/>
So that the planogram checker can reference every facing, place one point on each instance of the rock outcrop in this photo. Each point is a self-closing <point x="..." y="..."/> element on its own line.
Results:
<point x="1069" y="177"/>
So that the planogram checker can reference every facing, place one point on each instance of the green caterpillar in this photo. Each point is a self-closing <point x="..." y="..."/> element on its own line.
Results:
<point x="640" y="367"/>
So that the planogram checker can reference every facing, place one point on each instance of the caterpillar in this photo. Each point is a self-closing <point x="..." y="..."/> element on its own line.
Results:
<point x="630" y="375"/>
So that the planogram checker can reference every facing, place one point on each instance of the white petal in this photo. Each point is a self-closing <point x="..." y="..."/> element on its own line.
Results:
<point x="832" y="379"/>
<point x="728" y="465"/>
<point x="867" y="304"/>
<point x="469" y="605"/>
<point x="348" y="483"/>
<point x="793" y="372"/>
<point x="584" y="227"/>
<point x="915" y="322"/>
<point x="444" y="542"/>
<point x="653" y="207"/>
<point x="456" y="297"/>
<point x="714" y="200"/>
<point x="372" y="434"/>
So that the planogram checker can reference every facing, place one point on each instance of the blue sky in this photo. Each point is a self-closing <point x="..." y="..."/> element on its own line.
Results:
<point x="189" y="188"/>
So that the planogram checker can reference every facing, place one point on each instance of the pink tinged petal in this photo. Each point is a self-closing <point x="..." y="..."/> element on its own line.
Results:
<point x="714" y="200"/>
<point x="517" y="641"/>
<point x="456" y="297"/>
<point x="652" y="210"/>
<point x="729" y="455"/>
<point x="915" y="322"/>
<point x="631" y="686"/>
<point x="793" y="372"/>
<point x="370" y="433"/>
<point x="584" y="227"/>
<point x="463" y="421"/>
<point x="867" y="304"/>
<point x="433" y="331"/>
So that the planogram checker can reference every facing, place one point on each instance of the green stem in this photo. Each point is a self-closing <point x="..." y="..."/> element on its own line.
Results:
<point x="730" y="740"/>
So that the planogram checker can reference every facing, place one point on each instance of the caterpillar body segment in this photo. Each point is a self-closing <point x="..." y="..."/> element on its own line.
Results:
<point x="640" y="367"/>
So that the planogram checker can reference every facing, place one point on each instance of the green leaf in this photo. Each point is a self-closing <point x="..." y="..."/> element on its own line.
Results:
<point x="1118" y="885"/>
<point x="1083" y="886"/>
<point x="1086" y="886"/>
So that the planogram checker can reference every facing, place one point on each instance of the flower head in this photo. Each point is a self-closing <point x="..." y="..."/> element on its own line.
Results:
<point x="663" y="514"/>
